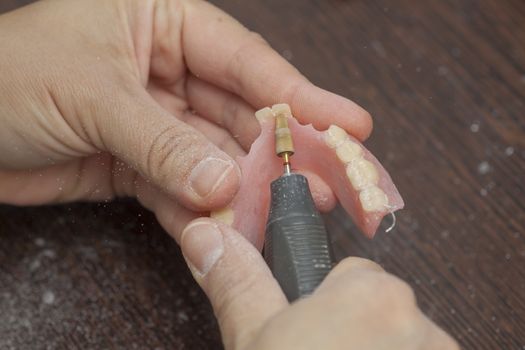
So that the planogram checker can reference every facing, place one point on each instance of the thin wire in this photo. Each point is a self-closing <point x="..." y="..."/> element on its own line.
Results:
<point x="393" y="222"/>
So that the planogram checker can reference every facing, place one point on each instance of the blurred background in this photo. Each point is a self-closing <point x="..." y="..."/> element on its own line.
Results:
<point x="445" y="83"/>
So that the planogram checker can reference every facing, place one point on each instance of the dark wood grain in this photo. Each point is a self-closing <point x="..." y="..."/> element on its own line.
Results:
<point x="445" y="82"/>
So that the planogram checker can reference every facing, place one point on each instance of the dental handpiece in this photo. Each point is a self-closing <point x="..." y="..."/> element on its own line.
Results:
<point x="297" y="248"/>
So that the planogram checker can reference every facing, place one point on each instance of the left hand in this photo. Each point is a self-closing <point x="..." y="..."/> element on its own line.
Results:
<point x="140" y="98"/>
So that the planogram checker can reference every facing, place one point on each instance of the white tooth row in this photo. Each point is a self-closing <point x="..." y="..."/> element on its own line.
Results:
<point x="362" y="173"/>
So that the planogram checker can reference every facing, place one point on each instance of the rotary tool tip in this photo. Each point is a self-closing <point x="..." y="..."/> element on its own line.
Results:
<point x="283" y="139"/>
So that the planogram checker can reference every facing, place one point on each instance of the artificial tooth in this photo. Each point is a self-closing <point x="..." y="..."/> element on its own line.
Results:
<point x="373" y="199"/>
<point x="264" y="115"/>
<point x="334" y="136"/>
<point x="348" y="151"/>
<point x="361" y="173"/>
<point x="225" y="215"/>
<point x="282" y="108"/>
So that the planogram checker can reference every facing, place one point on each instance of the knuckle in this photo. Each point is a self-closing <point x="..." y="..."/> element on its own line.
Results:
<point x="258" y="38"/>
<point x="401" y="288"/>
<point x="169" y="152"/>
<point x="355" y="263"/>
<point x="240" y="58"/>
<point x="396" y="291"/>
<point x="351" y="270"/>
<point x="398" y="298"/>
<point x="290" y="92"/>
<point x="385" y="299"/>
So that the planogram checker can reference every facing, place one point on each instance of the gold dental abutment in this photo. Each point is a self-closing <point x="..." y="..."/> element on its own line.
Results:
<point x="283" y="139"/>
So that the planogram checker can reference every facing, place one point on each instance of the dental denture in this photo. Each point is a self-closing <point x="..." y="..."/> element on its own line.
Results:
<point x="354" y="175"/>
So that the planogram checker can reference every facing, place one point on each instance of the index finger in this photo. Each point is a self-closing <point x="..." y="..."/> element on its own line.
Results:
<point x="220" y="50"/>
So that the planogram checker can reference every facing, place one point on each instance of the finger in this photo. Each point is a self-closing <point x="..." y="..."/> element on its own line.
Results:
<point x="171" y="154"/>
<point x="225" y="109"/>
<point x="348" y="268"/>
<point x="243" y="63"/>
<point x="216" y="134"/>
<point x="219" y="136"/>
<point x="322" y="194"/>
<point x="82" y="179"/>
<point x="233" y="274"/>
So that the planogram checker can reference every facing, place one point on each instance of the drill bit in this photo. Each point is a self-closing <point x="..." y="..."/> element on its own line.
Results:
<point x="283" y="140"/>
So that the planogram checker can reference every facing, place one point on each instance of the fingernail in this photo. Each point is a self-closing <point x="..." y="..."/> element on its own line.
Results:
<point x="209" y="174"/>
<point x="202" y="246"/>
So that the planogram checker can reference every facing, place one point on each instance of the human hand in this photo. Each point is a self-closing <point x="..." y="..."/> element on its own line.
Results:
<point x="358" y="306"/>
<point x="140" y="98"/>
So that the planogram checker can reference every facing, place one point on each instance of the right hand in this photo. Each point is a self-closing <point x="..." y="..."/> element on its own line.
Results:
<point x="358" y="306"/>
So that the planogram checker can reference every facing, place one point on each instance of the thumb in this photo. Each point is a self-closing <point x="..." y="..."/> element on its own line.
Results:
<point x="233" y="274"/>
<point x="164" y="150"/>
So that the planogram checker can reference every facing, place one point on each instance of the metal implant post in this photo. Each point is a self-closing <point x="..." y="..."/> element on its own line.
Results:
<point x="283" y="141"/>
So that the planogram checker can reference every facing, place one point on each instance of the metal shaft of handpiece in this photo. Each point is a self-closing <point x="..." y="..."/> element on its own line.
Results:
<point x="287" y="166"/>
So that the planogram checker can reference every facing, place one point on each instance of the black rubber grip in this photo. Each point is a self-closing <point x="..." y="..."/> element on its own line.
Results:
<point x="296" y="247"/>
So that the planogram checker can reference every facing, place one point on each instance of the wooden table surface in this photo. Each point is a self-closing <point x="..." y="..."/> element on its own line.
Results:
<point x="445" y="82"/>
